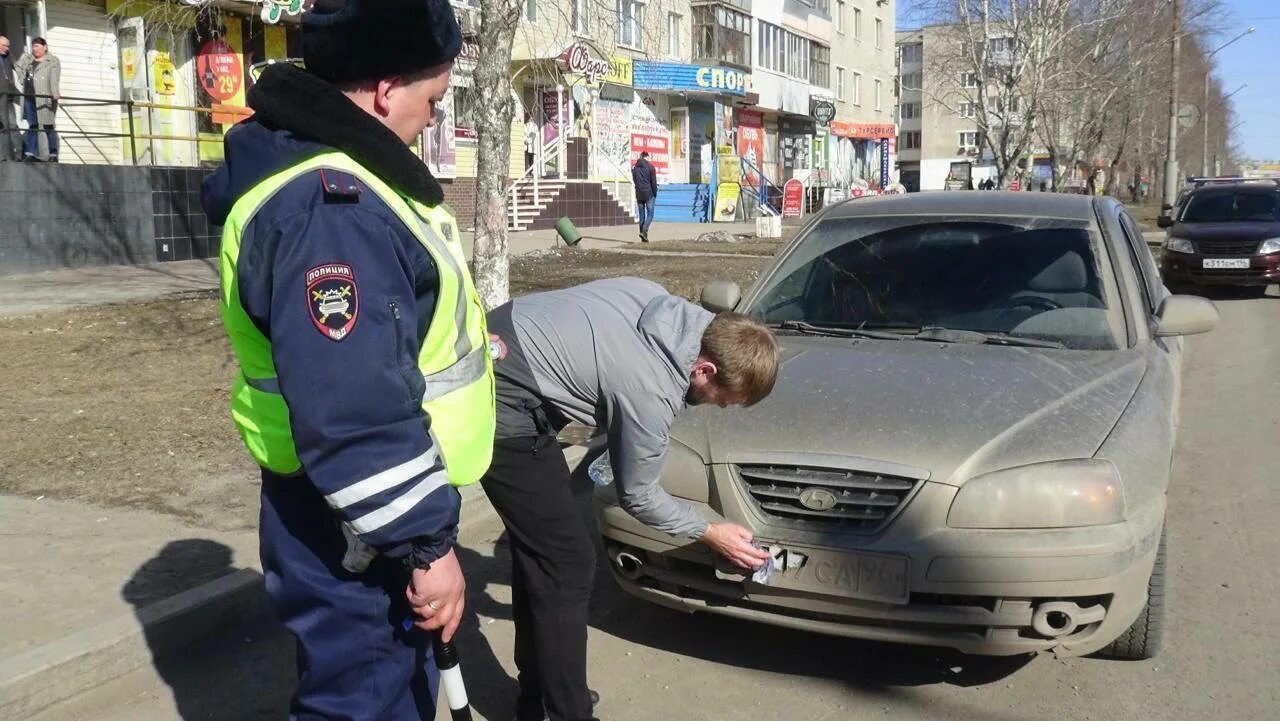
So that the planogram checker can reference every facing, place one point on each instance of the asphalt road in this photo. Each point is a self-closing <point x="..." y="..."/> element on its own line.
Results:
<point x="1220" y="660"/>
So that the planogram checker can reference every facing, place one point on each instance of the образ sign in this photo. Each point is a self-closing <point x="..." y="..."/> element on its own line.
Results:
<point x="577" y="58"/>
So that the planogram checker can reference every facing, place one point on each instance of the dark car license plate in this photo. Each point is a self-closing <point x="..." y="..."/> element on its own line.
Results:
<point x="852" y="574"/>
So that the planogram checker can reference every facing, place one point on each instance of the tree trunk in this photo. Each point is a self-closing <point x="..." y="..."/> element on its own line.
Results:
<point x="490" y="255"/>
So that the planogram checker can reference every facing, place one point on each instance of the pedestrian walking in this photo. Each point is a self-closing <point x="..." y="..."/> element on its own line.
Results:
<point x="645" y="180"/>
<point x="41" y="75"/>
<point x="365" y="387"/>
<point x="624" y="356"/>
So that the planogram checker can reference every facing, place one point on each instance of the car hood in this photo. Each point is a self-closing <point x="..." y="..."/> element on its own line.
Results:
<point x="954" y="411"/>
<point x="1246" y="231"/>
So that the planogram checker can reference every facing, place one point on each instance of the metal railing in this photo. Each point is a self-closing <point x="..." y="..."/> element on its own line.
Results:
<point x="765" y="198"/>
<point x="64" y="103"/>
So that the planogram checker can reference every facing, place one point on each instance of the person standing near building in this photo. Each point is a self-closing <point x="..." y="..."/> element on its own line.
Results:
<point x="530" y="141"/>
<point x="625" y="356"/>
<point x="645" y="180"/>
<point x="9" y="145"/>
<point x="41" y="75"/>
<point x="365" y="387"/>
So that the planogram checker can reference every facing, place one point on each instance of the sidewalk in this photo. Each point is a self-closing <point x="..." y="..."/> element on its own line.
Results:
<point x="92" y="594"/>
<point x="100" y="285"/>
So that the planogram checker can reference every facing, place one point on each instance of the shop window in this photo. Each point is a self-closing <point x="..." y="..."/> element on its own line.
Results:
<point x="464" y="110"/>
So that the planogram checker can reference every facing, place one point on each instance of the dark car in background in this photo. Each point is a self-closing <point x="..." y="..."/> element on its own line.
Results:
<point x="1227" y="234"/>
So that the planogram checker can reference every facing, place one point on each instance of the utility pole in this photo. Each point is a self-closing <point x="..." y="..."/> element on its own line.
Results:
<point x="1204" y="107"/>
<point x="1171" y="160"/>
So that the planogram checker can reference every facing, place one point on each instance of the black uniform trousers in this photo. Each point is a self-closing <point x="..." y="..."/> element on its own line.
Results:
<point x="553" y="562"/>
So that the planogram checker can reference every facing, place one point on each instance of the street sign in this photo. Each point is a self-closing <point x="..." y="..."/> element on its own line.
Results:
<point x="823" y="111"/>
<point x="1188" y="116"/>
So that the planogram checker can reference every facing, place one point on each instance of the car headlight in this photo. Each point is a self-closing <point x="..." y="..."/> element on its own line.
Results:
<point x="1179" y="245"/>
<point x="1061" y="494"/>
<point x="1271" y="245"/>
<point x="684" y="474"/>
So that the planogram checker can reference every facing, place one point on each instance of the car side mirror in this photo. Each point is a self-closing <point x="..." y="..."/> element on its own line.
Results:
<point x="1164" y="221"/>
<point x="1185" y="315"/>
<point x="720" y="296"/>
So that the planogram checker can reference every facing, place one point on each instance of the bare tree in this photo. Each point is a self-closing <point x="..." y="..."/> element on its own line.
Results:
<point x="501" y="27"/>
<point x="494" y="108"/>
<point x="1083" y="80"/>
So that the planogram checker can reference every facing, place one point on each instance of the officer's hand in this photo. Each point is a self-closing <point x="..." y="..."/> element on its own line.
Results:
<point x="438" y="595"/>
<point x="734" y="543"/>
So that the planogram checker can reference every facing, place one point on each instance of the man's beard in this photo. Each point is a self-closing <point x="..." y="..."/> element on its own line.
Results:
<point x="693" y="398"/>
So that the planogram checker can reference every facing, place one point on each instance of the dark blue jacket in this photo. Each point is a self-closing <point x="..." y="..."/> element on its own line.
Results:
<point x="355" y="403"/>
<point x="645" y="178"/>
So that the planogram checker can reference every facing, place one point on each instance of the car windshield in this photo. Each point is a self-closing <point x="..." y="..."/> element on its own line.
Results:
<point x="1017" y="278"/>
<point x="1233" y="207"/>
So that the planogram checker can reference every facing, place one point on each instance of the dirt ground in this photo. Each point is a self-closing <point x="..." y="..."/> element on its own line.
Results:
<point x="126" y="405"/>
<point x="746" y="247"/>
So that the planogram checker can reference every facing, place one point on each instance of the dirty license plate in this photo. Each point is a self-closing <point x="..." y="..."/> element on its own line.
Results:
<point x="1226" y="262"/>
<point x="871" y="576"/>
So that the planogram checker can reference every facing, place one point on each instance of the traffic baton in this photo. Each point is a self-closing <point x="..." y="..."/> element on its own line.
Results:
<point x="455" y="692"/>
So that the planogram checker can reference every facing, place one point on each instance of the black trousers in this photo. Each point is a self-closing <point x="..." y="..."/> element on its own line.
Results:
<point x="10" y="134"/>
<point x="553" y="562"/>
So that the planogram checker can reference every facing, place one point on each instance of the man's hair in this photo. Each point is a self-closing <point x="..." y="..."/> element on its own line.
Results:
<point x="745" y="353"/>
<point x="644" y="154"/>
<point x="40" y="41"/>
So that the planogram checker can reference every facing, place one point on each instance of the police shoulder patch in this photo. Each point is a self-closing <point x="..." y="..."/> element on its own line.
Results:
<point x="333" y="300"/>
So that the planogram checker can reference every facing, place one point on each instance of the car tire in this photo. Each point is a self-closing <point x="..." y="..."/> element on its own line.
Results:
<point x="1145" y="637"/>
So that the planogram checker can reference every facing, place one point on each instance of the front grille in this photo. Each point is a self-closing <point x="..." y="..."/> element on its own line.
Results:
<point x="825" y="499"/>
<point x="1227" y="247"/>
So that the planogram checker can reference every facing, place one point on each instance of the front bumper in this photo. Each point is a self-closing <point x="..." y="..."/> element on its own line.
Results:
<point x="1189" y="268"/>
<point x="979" y="591"/>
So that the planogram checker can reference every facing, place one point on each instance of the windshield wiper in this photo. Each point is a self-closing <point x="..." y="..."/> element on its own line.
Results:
<point x="800" y="326"/>
<point x="954" y="335"/>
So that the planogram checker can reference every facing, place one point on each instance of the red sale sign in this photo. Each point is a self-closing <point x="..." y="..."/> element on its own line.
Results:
<point x="219" y="70"/>
<point x="792" y="199"/>
<point x="658" y="147"/>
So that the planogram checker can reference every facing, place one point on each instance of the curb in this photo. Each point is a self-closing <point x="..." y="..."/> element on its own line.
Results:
<point x="61" y="669"/>
<point x="76" y="663"/>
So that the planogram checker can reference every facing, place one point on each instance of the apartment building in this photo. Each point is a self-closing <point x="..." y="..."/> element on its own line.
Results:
<point x="864" y="135"/>
<point x="940" y="142"/>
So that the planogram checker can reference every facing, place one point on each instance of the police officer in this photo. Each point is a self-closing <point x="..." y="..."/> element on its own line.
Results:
<point x="365" y="388"/>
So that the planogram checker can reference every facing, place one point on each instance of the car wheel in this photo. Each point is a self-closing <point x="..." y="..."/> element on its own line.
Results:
<point x="1146" y="636"/>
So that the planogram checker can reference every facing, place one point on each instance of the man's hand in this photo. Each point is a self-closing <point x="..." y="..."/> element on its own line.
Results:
<point x="438" y="595"/>
<point x="734" y="543"/>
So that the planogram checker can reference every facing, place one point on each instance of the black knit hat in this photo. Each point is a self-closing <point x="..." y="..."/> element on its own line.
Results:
<point x="345" y="41"/>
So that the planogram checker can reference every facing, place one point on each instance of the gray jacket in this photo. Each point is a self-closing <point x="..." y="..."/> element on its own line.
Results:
<point x="47" y="81"/>
<point x="615" y="354"/>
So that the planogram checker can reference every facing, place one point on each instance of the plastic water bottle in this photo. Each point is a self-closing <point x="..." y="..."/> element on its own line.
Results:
<point x="601" y="470"/>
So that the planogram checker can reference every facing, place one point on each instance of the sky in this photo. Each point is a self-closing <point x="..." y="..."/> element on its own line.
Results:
<point x="1250" y="60"/>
